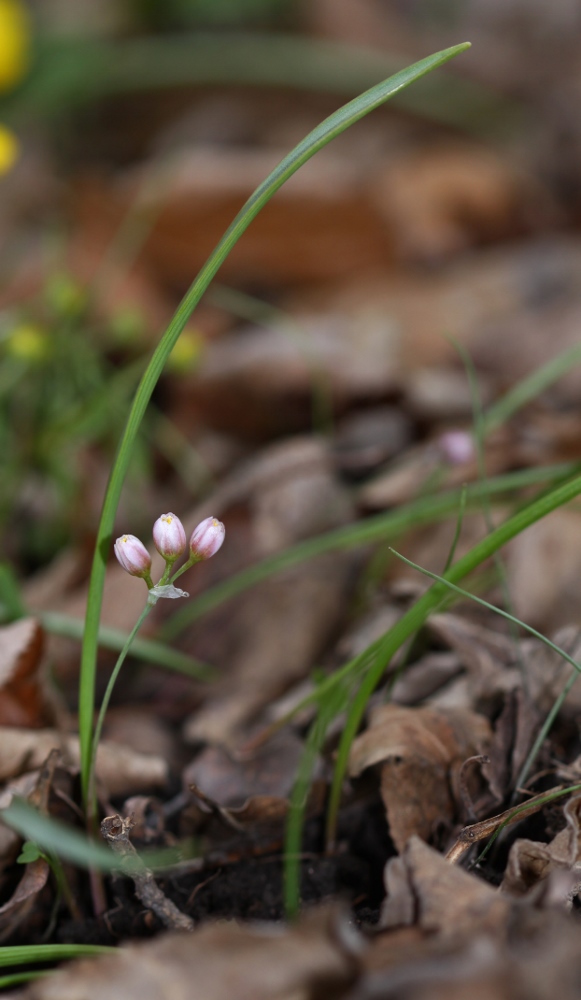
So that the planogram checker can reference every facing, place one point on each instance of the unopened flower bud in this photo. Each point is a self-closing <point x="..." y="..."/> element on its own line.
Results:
<point x="457" y="447"/>
<point x="207" y="538"/>
<point x="133" y="556"/>
<point x="169" y="537"/>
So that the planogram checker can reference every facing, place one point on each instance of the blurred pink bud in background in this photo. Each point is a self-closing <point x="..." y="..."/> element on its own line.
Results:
<point x="457" y="447"/>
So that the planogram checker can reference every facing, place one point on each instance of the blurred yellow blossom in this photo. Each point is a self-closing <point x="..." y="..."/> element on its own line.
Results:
<point x="9" y="147"/>
<point x="14" y="63"/>
<point x="185" y="356"/>
<point x="28" y="342"/>
<point x="14" y="43"/>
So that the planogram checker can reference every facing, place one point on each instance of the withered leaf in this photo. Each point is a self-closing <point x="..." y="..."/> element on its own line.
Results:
<point x="419" y="750"/>
<point x="313" y="960"/>
<point x="423" y="887"/>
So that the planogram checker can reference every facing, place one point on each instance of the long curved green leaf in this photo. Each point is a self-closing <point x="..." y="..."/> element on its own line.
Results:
<point x="316" y="140"/>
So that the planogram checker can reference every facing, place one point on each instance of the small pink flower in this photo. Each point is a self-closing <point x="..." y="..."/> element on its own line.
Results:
<point x="133" y="556"/>
<point x="457" y="447"/>
<point x="169" y="537"/>
<point x="207" y="538"/>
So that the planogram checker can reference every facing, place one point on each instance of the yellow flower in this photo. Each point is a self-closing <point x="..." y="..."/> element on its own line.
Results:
<point x="28" y="342"/>
<point x="14" y="43"/>
<point x="14" y="62"/>
<point x="9" y="148"/>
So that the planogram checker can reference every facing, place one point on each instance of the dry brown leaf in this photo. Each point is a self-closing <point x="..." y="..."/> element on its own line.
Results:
<point x="487" y="655"/>
<point x="270" y="636"/>
<point x="442" y="199"/>
<point x="21" y="698"/>
<point x="420" y="750"/>
<point x="320" y="226"/>
<point x="423" y="887"/>
<point x="34" y="878"/>
<point x="268" y="770"/>
<point x="313" y="960"/>
<point x="544" y="565"/>
<point x="119" y="769"/>
<point x="529" y="862"/>
<point x="479" y="300"/>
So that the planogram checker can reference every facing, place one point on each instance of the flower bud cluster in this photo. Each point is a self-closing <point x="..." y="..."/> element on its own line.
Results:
<point x="170" y="541"/>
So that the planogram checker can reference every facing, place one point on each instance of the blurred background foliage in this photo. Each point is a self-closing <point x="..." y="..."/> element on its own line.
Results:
<point x="99" y="98"/>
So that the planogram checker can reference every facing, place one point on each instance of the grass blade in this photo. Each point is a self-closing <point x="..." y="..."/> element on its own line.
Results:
<point x="379" y="528"/>
<point x="18" y="954"/>
<point x="148" y="650"/>
<point x="316" y="140"/>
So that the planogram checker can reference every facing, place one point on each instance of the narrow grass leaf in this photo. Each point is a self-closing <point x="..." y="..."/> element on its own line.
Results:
<point x="316" y="140"/>
<point x="148" y="650"/>
<point x="378" y="528"/>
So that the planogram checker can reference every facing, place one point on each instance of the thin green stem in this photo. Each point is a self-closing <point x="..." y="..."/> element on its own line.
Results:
<point x="107" y="698"/>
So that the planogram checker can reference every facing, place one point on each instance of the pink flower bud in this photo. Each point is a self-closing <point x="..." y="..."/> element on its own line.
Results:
<point x="457" y="447"/>
<point x="169" y="537"/>
<point x="133" y="556"/>
<point x="207" y="538"/>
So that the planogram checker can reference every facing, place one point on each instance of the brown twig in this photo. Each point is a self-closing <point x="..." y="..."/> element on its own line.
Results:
<point x="480" y="831"/>
<point x="115" y="831"/>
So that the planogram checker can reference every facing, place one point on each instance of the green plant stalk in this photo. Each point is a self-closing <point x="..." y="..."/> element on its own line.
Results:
<point x="379" y="528"/>
<point x="18" y="954"/>
<point x="545" y="728"/>
<point x="16" y="978"/>
<point x="105" y="704"/>
<point x="417" y="615"/>
<point x="479" y="439"/>
<point x="316" y="140"/>
<point x="328" y="708"/>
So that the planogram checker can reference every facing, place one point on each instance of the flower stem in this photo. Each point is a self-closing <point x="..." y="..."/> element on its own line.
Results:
<point x="105" y="704"/>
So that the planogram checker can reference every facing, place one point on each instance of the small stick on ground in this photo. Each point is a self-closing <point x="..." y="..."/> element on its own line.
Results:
<point x="115" y="831"/>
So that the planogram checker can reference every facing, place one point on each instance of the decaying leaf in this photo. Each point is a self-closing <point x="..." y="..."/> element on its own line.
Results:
<point x="270" y="769"/>
<point x="314" y="960"/>
<point x="423" y="888"/>
<point x="119" y="769"/>
<point x="34" y="878"/>
<point x="529" y="861"/>
<point x="21" y="699"/>
<point x="420" y="751"/>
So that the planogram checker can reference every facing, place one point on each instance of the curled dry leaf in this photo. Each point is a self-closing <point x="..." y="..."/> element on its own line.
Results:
<point x="423" y="888"/>
<point x="420" y="752"/>
<point x="21" y="696"/>
<point x="313" y="960"/>
<point x="530" y="861"/>
<point x="34" y="878"/>
<point x="269" y="770"/>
